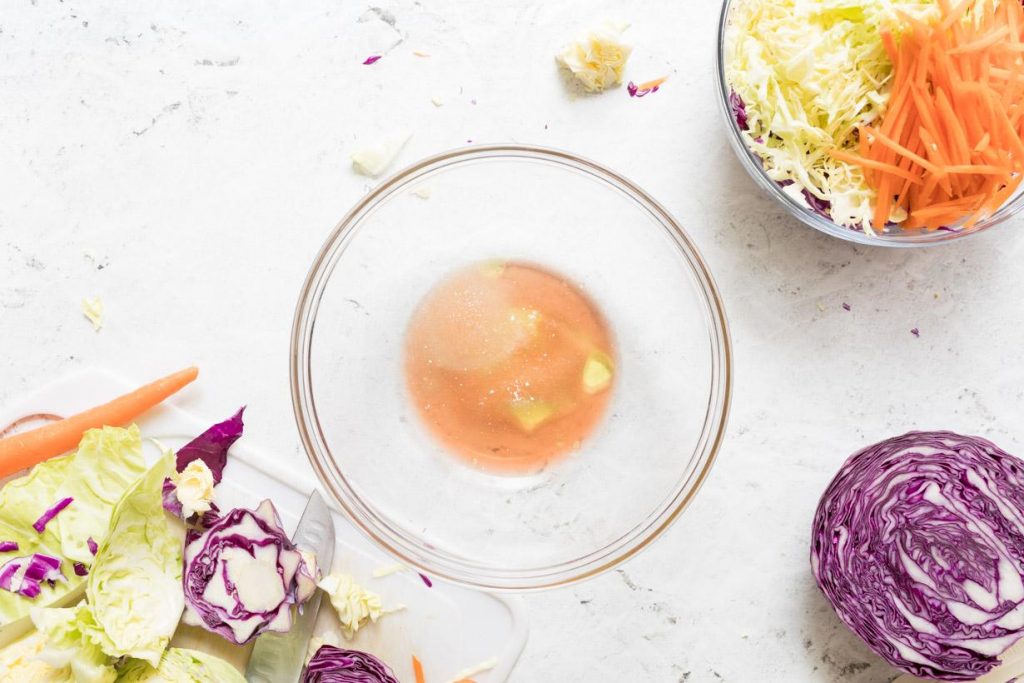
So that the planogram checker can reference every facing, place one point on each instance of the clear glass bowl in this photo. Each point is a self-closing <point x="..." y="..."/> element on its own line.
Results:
<point x="752" y="163"/>
<point x="584" y="513"/>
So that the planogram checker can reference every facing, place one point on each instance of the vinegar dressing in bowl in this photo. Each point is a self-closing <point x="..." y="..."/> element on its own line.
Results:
<point x="600" y="334"/>
<point x="509" y="366"/>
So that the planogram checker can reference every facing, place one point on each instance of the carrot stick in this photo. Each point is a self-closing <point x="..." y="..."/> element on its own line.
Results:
<point x="948" y="207"/>
<point x="25" y="450"/>
<point x="949" y="149"/>
<point x="982" y="43"/>
<point x="883" y="205"/>
<point x="900" y="149"/>
<point x="875" y="165"/>
<point x="417" y="670"/>
<point x="977" y="168"/>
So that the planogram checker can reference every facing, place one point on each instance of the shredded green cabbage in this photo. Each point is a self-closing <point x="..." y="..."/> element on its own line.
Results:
<point x="809" y="72"/>
<point x="107" y="461"/>
<point x="133" y="594"/>
<point x="180" y="666"/>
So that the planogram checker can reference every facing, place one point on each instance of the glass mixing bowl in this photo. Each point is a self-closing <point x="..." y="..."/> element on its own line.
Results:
<point x="752" y="163"/>
<point x="584" y="513"/>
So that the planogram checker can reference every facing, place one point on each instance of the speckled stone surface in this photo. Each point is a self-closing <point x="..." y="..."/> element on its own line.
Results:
<point x="201" y="151"/>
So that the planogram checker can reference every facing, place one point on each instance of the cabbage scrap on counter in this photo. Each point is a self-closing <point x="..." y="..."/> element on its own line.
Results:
<point x="804" y="74"/>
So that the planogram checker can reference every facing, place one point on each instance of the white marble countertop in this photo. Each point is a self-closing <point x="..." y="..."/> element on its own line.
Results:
<point x="202" y="153"/>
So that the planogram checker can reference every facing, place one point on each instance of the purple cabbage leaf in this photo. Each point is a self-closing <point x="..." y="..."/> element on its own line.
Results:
<point x="212" y="445"/>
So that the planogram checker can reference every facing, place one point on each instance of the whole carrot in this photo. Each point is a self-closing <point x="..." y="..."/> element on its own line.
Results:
<point x="21" y="451"/>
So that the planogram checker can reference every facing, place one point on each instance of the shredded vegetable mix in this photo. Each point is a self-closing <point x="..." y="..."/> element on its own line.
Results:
<point x="807" y="74"/>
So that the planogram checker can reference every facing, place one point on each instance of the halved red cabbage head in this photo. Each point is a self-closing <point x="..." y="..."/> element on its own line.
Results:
<point x="334" y="665"/>
<point x="918" y="543"/>
<point x="24" y="575"/>
<point x="242" y="575"/>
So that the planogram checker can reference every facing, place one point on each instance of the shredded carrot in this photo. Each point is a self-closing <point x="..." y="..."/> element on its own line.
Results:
<point x="651" y="84"/>
<point x="901" y="150"/>
<point x="875" y="165"/>
<point x="949" y="149"/>
<point x="21" y="451"/>
<point x="417" y="670"/>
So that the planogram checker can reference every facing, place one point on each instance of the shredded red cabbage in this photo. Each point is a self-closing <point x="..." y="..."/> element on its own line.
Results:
<point x="211" y="570"/>
<point x="8" y="546"/>
<point x="372" y="59"/>
<point x="93" y="546"/>
<point x="23" y="575"/>
<point x="739" y="110"/>
<point x="80" y="569"/>
<point x="822" y="207"/>
<point x="918" y="543"/>
<point x="40" y="524"/>
<point x="170" y="498"/>
<point x="635" y="90"/>
<point x="426" y="580"/>
<point x="334" y="665"/>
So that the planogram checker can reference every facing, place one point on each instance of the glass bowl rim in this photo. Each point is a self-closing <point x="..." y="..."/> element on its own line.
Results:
<point x="408" y="548"/>
<point x="752" y="163"/>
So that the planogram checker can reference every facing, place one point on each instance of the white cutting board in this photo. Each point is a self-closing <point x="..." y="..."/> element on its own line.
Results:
<point x="447" y="627"/>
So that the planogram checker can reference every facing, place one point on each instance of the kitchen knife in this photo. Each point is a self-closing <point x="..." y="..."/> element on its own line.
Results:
<point x="278" y="657"/>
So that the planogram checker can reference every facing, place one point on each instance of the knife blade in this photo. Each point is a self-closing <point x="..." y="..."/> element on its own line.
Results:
<point x="278" y="657"/>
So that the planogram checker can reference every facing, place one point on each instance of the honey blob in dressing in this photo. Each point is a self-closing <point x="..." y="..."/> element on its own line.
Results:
<point x="509" y="365"/>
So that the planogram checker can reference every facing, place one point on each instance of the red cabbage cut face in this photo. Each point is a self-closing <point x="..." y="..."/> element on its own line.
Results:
<point x="334" y="665"/>
<point x="242" y="575"/>
<point x="918" y="543"/>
